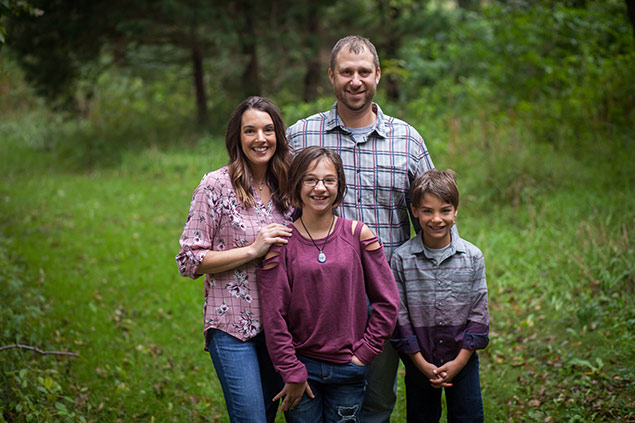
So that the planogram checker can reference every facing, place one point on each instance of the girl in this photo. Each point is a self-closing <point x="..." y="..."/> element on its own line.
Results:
<point x="319" y="332"/>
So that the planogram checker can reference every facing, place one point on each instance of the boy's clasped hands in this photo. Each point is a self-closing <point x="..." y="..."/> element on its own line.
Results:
<point x="441" y="377"/>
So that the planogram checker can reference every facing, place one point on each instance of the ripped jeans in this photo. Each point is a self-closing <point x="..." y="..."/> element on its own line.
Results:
<point x="338" y="389"/>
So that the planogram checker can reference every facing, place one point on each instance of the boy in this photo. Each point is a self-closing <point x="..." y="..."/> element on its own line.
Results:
<point x="443" y="314"/>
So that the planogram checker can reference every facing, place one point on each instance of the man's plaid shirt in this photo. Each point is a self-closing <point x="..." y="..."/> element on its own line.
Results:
<point x="378" y="169"/>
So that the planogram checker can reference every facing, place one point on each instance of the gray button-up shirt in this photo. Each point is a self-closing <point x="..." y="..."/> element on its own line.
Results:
<point x="443" y="304"/>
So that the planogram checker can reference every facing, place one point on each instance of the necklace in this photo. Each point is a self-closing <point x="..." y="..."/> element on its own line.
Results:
<point x="260" y="186"/>
<point x="321" y="258"/>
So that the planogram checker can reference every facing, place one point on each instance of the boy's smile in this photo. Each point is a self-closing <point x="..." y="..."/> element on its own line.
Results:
<point x="436" y="219"/>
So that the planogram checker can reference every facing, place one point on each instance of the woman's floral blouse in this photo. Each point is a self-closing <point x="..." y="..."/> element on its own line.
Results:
<point x="217" y="221"/>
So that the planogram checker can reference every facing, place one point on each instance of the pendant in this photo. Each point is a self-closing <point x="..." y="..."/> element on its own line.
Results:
<point x="321" y="257"/>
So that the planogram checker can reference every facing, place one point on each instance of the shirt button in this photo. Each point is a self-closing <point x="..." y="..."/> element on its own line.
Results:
<point x="440" y="341"/>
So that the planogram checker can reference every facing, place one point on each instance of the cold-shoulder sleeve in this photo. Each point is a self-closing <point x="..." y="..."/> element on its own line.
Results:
<point x="275" y="293"/>
<point x="202" y="222"/>
<point x="384" y="301"/>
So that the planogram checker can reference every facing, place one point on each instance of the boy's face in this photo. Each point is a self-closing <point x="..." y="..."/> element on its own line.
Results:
<point x="436" y="219"/>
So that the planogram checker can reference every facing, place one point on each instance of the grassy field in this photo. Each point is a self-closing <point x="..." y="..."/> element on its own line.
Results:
<point x="87" y="266"/>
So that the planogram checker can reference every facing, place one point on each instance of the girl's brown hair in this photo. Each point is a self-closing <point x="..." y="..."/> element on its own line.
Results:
<point x="301" y="165"/>
<point x="238" y="166"/>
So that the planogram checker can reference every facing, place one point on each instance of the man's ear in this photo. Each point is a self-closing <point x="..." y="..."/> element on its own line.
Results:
<point x="378" y="74"/>
<point x="331" y="76"/>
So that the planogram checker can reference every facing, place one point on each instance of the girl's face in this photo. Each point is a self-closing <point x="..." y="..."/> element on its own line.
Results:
<point x="319" y="186"/>
<point x="257" y="137"/>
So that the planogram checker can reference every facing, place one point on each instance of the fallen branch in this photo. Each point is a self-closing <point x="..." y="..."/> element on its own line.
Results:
<point x="36" y="349"/>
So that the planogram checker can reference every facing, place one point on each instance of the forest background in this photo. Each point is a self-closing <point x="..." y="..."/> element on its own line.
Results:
<point x="111" y="111"/>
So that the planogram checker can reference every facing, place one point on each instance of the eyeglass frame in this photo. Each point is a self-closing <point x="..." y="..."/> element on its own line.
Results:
<point x="318" y="180"/>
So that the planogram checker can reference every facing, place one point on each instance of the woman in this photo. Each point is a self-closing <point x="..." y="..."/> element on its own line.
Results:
<point x="237" y="212"/>
<point x="319" y="333"/>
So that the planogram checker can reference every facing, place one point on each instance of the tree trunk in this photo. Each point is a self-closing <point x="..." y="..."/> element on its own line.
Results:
<point x="390" y="15"/>
<point x="630" y="6"/>
<point x="313" y="64"/>
<point x="469" y="4"/>
<point x="199" y="84"/>
<point x="250" y="81"/>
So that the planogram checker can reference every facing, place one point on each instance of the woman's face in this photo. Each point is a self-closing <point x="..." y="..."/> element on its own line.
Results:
<point x="319" y="186"/>
<point x="257" y="138"/>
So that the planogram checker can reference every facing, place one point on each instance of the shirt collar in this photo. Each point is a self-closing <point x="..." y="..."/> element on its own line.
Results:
<point x="456" y="245"/>
<point x="334" y="121"/>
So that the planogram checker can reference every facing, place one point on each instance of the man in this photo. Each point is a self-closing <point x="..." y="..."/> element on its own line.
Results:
<point x="382" y="156"/>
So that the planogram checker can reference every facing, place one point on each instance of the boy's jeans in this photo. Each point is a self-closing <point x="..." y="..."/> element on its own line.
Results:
<point x="338" y="389"/>
<point x="246" y="375"/>
<point x="423" y="402"/>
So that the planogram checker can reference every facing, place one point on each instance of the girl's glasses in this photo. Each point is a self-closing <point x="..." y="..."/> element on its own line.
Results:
<point x="311" y="181"/>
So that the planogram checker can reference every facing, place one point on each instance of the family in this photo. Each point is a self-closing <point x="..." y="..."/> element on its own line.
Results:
<point x="313" y="288"/>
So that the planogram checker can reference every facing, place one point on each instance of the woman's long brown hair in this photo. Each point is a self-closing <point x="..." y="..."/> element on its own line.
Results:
<point x="238" y="166"/>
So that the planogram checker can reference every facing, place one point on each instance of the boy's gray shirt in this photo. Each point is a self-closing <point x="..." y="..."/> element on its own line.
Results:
<point x="443" y="305"/>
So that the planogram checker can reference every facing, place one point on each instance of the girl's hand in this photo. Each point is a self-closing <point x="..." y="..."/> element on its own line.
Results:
<point x="268" y="235"/>
<point x="357" y="361"/>
<point x="292" y="393"/>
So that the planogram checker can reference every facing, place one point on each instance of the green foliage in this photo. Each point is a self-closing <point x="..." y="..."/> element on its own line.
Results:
<point x="524" y="59"/>
<point x="31" y="388"/>
<point x="12" y="7"/>
<point x="531" y="104"/>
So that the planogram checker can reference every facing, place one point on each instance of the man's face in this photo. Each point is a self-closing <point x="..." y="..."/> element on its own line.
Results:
<point x="354" y="79"/>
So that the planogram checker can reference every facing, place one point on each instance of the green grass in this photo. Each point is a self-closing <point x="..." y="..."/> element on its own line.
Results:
<point x="87" y="262"/>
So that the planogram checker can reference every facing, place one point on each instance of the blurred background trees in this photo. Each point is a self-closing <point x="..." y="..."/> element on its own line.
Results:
<point x="110" y="111"/>
<point x="204" y="56"/>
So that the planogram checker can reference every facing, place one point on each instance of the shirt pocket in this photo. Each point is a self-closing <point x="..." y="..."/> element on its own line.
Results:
<point x="462" y="284"/>
<point x="391" y="184"/>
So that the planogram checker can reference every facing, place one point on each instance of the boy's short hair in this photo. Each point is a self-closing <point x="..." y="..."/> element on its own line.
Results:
<point x="441" y="183"/>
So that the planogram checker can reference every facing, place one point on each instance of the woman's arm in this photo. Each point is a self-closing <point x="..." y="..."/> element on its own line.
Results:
<point x="197" y="255"/>
<point x="221" y="261"/>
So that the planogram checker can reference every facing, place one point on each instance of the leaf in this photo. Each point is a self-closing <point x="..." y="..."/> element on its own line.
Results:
<point x="61" y="407"/>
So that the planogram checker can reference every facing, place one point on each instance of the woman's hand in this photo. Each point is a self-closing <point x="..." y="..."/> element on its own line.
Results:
<point x="222" y="261"/>
<point x="269" y="235"/>
<point x="292" y="393"/>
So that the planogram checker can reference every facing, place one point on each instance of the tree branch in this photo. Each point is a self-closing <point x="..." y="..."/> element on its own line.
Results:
<point x="36" y="349"/>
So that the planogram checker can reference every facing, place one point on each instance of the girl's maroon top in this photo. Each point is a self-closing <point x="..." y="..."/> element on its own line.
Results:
<point x="319" y="310"/>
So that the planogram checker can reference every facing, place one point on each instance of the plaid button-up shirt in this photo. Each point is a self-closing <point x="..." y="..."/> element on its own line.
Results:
<point x="378" y="168"/>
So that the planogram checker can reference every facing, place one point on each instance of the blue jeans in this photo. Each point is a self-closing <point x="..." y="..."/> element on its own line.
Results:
<point x="338" y="389"/>
<point x="381" y="392"/>
<point x="246" y="375"/>
<point x="423" y="402"/>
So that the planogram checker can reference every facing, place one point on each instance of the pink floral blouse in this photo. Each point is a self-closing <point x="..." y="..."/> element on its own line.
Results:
<point x="217" y="221"/>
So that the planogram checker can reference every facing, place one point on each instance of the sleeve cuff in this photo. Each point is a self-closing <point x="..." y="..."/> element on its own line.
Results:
<point x="475" y="341"/>
<point x="408" y="345"/>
